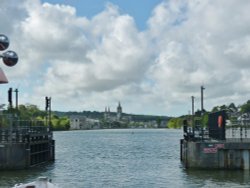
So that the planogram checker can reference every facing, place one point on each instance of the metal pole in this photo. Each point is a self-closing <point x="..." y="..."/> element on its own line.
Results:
<point x="46" y="110"/>
<point x="16" y="90"/>
<point x="10" y="98"/>
<point x="202" y="99"/>
<point x="192" y="97"/>
<point x="50" y="128"/>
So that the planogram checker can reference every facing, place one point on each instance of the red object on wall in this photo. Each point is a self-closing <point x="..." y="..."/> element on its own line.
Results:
<point x="220" y="121"/>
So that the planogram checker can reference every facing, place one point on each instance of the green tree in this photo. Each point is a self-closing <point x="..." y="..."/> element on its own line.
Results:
<point x="60" y="123"/>
<point x="216" y="109"/>
<point x="64" y="123"/>
<point x="175" y="123"/>
<point x="232" y="106"/>
<point x="204" y="120"/>
<point x="31" y="115"/>
<point x="245" y="108"/>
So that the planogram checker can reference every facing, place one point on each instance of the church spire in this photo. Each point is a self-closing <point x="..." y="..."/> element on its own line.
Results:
<point x="119" y="111"/>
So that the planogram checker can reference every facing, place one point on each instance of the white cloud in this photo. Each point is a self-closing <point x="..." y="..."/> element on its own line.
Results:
<point x="86" y="64"/>
<point x="205" y="47"/>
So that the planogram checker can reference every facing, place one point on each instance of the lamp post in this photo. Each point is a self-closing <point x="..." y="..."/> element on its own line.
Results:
<point x="9" y="57"/>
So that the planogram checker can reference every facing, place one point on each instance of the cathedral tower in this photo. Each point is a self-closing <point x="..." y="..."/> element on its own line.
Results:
<point x="119" y="112"/>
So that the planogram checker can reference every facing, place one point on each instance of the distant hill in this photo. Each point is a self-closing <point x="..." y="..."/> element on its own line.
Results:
<point x="100" y="115"/>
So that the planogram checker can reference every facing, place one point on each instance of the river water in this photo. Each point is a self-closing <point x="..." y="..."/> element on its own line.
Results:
<point x="123" y="158"/>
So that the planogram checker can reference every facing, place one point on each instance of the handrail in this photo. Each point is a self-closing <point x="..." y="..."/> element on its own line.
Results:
<point x="24" y="134"/>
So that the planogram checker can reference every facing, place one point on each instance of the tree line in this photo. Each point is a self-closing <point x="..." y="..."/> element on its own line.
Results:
<point x="201" y="118"/>
<point x="60" y="120"/>
<point x="31" y="113"/>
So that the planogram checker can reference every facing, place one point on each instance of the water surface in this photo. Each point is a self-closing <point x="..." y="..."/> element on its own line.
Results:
<point x="123" y="158"/>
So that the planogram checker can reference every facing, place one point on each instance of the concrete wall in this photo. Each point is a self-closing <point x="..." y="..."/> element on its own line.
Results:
<point x="13" y="156"/>
<point x="215" y="155"/>
<point x="25" y="155"/>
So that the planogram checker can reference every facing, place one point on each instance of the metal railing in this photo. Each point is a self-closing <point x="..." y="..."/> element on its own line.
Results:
<point x="24" y="134"/>
<point x="237" y="129"/>
<point x="13" y="130"/>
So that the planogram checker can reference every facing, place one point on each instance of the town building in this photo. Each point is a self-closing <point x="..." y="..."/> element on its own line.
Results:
<point x="113" y="116"/>
<point x="78" y="122"/>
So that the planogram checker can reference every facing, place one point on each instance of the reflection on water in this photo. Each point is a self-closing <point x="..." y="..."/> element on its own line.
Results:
<point x="123" y="158"/>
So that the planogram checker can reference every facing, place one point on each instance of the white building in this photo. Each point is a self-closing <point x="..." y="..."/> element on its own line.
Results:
<point x="78" y="122"/>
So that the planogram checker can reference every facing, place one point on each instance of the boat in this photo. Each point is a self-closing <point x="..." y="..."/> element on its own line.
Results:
<point x="41" y="182"/>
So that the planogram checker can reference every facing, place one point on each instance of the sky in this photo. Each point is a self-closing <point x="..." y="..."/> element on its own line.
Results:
<point x="151" y="56"/>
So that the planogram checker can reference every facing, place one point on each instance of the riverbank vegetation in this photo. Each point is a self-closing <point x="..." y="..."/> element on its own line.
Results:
<point x="201" y="118"/>
<point x="31" y="113"/>
<point x="61" y="121"/>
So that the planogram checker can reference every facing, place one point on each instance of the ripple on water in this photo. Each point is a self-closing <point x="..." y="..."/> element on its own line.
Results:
<point x="129" y="158"/>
